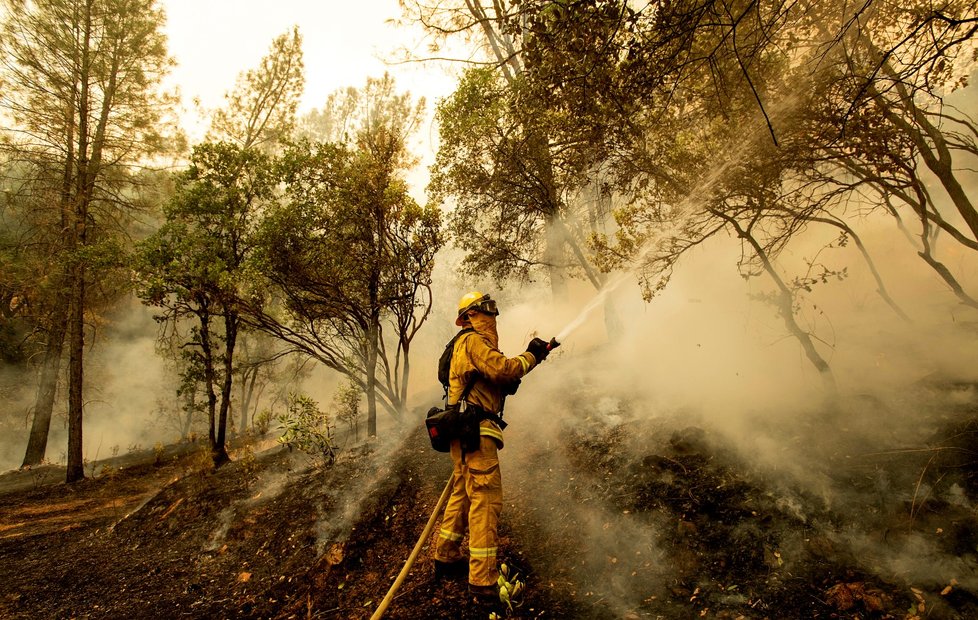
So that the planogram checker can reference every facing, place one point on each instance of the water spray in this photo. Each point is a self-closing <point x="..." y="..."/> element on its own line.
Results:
<point x="585" y="312"/>
<point x="648" y="246"/>
<point x="697" y="196"/>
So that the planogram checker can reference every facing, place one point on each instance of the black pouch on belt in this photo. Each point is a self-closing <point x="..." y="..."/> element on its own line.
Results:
<point x="442" y="426"/>
<point x="454" y="421"/>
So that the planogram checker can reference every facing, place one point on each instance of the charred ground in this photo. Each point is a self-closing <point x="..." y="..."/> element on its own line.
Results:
<point x="628" y="518"/>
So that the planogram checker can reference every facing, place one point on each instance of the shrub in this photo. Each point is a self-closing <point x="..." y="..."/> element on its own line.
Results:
<point x="346" y="403"/>
<point x="307" y="428"/>
<point x="262" y="422"/>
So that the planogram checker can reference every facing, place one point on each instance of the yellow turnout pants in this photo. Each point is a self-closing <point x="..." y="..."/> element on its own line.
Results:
<point x="476" y="501"/>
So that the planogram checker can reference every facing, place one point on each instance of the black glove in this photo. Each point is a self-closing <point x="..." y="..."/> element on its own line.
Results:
<point x="539" y="349"/>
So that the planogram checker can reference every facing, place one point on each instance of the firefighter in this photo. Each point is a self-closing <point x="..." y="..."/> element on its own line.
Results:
<point x="477" y="494"/>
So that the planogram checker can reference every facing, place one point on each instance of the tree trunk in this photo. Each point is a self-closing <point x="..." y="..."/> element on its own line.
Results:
<point x="46" y="391"/>
<point x="553" y="259"/>
<point x="405" y="376"/>
<point x="76" y="350"/>
<point x="77" y="235"/>
<point x="191" y="408"/>
<point x="948" y="278"/>
<point x="231" y="337"/>
<point x="940" y="161"/>
<point x="207" y="353"/>
<point x="935" y="153"/>
<point x="249" y="393"/>
<point x="373" y="324"/>
<point x="371" y="368"/>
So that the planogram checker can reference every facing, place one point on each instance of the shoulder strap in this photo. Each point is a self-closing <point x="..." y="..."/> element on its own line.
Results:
<point x="445" y="362"/>
<point x="469" y="386"/>
<point x="475" y="374"/>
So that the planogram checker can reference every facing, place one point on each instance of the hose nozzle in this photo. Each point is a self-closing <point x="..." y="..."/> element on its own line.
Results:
<point x="553" y="344"/>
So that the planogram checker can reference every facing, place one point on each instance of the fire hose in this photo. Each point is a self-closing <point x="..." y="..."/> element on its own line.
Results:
<point x="414" y="553"/>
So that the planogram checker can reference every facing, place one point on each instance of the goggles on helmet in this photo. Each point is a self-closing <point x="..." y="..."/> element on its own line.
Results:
<point x="485" y="304"/>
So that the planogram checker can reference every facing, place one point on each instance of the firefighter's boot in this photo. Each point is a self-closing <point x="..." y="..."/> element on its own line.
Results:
<point x="450" y="571"/>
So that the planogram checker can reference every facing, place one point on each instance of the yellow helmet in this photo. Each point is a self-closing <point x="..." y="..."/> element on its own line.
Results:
<point x="475" y="301"/>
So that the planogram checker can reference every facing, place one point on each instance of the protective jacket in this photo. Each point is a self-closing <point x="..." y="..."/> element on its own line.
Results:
<point x="476" y="499"/>
<point x="477" y="357"/>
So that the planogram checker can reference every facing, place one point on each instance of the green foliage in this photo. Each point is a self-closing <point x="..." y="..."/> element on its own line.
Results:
<point x="492" y="165"/>
<point x="346" y="404"/>
<point x="347" y="250"/>
<point x="263" y="422"/>
<point x="307" y="428"/>
<point x="198" y="265"/>
<point x="196" y="260"/>
<point x="195" y="267"/>
<point x="347" y="246"/>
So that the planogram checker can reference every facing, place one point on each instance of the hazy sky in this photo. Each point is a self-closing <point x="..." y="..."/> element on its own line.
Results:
<point x="343" y="43"/>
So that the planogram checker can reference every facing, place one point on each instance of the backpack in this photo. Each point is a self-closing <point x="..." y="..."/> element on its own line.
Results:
<point x="451" y="421"/>
<point x="445" y="361"/>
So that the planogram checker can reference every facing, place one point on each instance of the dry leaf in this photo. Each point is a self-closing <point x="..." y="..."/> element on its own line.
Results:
<point x="335" y="554"/>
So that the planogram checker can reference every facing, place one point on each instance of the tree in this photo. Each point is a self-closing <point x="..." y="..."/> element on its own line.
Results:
<point x="347" y="251"/>
<point x="350" y="249"/>
<point x="883" y="124"/>
<point x="261" y="108"/>
<point x="498" y="177"/>
<point x="667" y="96"/>
<point x="693" y="110"/>
<point x="81" y="87"/>
<point x="523" y="195"/>
<point x="196" y="265"/>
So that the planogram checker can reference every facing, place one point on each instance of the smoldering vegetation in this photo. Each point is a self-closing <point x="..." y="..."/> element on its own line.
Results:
<point x="696" y="458"/>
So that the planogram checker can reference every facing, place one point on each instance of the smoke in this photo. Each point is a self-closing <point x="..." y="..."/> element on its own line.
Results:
<point x="129" y="387"/>
<point x="269" y="485"/>
<point x="16" y="391"/>
<point x="126" y="385"/>
<point x="709" y="353"/>
<point x="915" y="560"/>
<point x="371" y="484"/>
